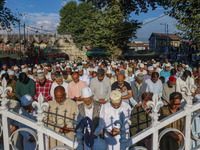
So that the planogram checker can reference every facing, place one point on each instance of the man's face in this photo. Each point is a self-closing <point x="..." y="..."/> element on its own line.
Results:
<point x="175" y="104"/>
<point x="75" y="78"/>
<point x="116" y="105"/>
<point x="65" y="76"/>
<point x="87" y="101"/>
<point x="59" y="96"/>
<point x="155" y="79"/>
<point x="94" y="74"/>
<point x="4" y="68"/>
<point x="59" y="81"/>
<point x="141" y="69"/>
<point x="139" y="82"/>
<point x="100" y="78"/>
<point x="53" y="77"/>
<point x="150" y="72"/>
<point x="130" y="72"/>
<point x="80" y="72"/>
<point x="42" y="81"/>
<point x="116" y="72"/>
<point x="54" y="69"/>
<point x="109" y="75"/>
<point x="16" y="70"/>
<point x="49" y="69"/>
<point x="144" y="103"/>
<point x="172" y="83"/>
<point x="120" y="81"/>
<point x="28" y="108"/>
<point x="179" y="68"/>
<point x="45" y="71"/>
<point x="167" y="68"/>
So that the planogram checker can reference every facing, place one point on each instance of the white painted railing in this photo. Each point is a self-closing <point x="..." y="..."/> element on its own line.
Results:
<point x="156" y="125"/>
<point x="38" y="125"/>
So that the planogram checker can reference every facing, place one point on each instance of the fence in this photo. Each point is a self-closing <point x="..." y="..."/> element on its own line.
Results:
<point x="153" y="130"/>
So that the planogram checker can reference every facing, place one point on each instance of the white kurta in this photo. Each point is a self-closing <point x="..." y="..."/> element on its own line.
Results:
<point x="85" y="78"/>
<point x="108" y="115"/>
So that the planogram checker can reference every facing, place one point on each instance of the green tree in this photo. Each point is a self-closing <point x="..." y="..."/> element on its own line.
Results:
<point x="6" y="17"/>
<point x="187" y="13"/>
<point x="101" y="28"/>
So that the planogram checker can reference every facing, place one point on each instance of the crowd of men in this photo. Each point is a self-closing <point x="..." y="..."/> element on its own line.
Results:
<point x="100" y="90"/>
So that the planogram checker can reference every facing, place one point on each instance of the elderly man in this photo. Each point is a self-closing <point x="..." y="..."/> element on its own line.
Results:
<point x="75" y="87"/>
<point x="123" y="87"/>
<point x="168" y="88"/>
<point x="172" y="140"/>
<point x="17" y="72"/>
<point x="60" y="114"/>
<point x="138" y="88"/>
<point x="43" y="86"/>
<point x="141" y="70"/>
<point x="59" y="82"/>
<point x="83" y="76"/>
<point x="101" y="87"/>
<point x="110" y="112"/>
<point x="149" y="73"/>
<point x="154" y="85"/>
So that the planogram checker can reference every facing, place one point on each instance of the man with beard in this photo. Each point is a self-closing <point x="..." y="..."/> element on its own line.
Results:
<point x="101" y="87"/>
<point x="61" y="113"/>
<point x="168" y="88"/>
<point x="43" y="86"/>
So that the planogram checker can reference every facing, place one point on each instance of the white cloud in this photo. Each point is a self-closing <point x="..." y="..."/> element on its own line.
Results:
<point x="155" y="26"/>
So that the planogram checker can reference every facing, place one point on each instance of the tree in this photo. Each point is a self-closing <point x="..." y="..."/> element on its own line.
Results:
<point x="6" y="17"/>
<point x="187" y="14"/>
<point x="104" y="29"/>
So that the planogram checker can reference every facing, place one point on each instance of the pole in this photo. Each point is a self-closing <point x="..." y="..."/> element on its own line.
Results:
<point x="27" y="39"/>
<point x="24" y="32"/>
<point x="19" y="33"/>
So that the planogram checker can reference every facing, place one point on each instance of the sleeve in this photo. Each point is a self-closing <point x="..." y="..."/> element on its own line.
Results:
<point x="17" y="92"/>
<point x="101" y="125"/>
<point x="113" y="86"/>
<point x="128" y="86"/>
<point x="160" y="89"/>
<point x="87" y="80"/>
<point x="92" y="87"/>
<point x="147" y="89"/>
<point x="33" y="88"/>
<point x="109" y="90"/>
<point x="52" y="90"/>
<point x="70" y="95"/>
<point x="25" y="134"/>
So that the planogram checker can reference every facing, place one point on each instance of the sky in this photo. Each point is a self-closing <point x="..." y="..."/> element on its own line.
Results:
<point x="43" y="16"/>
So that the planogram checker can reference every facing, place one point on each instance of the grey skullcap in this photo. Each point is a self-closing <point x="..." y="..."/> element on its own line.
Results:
<point x="122" y="72"/>
<point x="41" y="75"/>
<point x="140" y="77"/>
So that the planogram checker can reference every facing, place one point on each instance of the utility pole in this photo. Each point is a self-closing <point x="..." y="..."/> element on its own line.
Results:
<point x="19" y="32"/>
<point x="24" y="32"/>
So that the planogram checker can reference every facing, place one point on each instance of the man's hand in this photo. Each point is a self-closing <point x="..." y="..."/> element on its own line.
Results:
<point x="114" y="132"/>
<point x="66" y="129"/>
<point x="31" y="139"/>
<point x="174" y="136"/>
<point x="78" y="98"/>
<point x="123" y="89"/>
<point x="10" y="94"/>
<point x="138" y="104"/>
<point x="180" y="137"/>
<point x="103" y="101"/>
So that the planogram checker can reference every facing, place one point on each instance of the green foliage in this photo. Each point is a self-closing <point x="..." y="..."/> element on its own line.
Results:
<point x="187" y="13"/>
<point x="106" y="28"/>
<point x="6" y="17"/>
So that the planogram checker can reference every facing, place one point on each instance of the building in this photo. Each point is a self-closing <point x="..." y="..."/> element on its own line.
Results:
<point x="51" y="43"/>
<point x="139" y="45"/>
<point x="161" y="42"/>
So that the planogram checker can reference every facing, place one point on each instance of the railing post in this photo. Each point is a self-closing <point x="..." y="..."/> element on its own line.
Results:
<point x="155" y="104"/>
<point x="187" y="96"/>
<point x="41" y="106"/>
<point x="3" y="110"/>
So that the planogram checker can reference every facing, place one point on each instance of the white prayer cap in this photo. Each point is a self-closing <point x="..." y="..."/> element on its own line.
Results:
<point x="99" y="64"/>
<point x="187" y="66"/>
<point x="91" y="69"/>
<point x="68" y="66"/>
<point x="22" y="66"/>
<point x="141" y="65"/>
<point x="150" y="68"/>
<point x="84" y="62"/>
<point x="26" y="100"/>
<point x="35" y="65"/>
<point x="115" y="96"/>
<point x="15" y="68"/>
<point x="109" y="72"/>
<point x="34" y="70"/>
<point x="25" y="70"/>
<point x="38" y="67"/>
<point x="75" y="65"/>
<point x="41" y="75"/>
<point x="86" y="92"/>
<point x="29" y="69"/>
<point x="58" y="65"/>
<point x="168" y="65"/>
<point x="154" y="65"/>
<point x="11" y="73"/>
<point x="95" y="69"/>
<point x="39" y="71"/>
<point x="80" y="68"/>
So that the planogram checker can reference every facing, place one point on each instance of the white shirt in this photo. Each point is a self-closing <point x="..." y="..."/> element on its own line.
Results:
<point x="89" y="112"/>
<point x="85" y="78"/>
<point x="54" y="85"/>
<point x="155" y="88"/>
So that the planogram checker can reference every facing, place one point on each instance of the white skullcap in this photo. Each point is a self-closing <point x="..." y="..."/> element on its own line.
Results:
<point x="150" y="68"/>
<point x="25" y="70"/>
<point x="80" y="68"/>
<point x="68" y="66"/>
<point x="11" y="72"/>
<point x="29" y="69"/>
<point x="168" y="65"/>
<point x="109" y="72"/>
<point x="115" y="96"/>
<point x="39" y="71"/>
<point x="35" y="65"/>
<point x="95" y="69"/>
<point x="58" y="65"/>
<point x="15" y="68"/>
<point x="34" y="70"/>
<point x="187" y="66"/>
<point x="91" y="69"/>
<point x="45" y="67"/>
<point x="86" y="92"/>
<point x="41" y="75"/>
<point x="154" y="65"/>
<point x="22" y="66"/>
<point x="141" y="65"/>
<point x="75" y="65"/>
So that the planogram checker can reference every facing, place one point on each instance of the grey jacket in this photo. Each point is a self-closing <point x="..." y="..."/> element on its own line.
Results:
<point x="137" y="97"/>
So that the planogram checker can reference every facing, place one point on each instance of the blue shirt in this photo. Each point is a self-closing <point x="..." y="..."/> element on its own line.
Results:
<point x="164" y="73"/>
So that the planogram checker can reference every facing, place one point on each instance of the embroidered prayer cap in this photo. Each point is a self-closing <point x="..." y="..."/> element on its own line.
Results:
<point x="115" y="96"/>
<point x="41" y="75"/>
